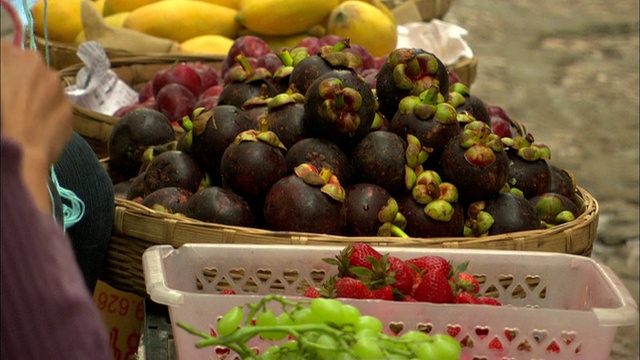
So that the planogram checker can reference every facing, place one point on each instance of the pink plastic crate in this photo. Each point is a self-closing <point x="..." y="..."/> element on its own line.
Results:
<point x="548" y="297"/>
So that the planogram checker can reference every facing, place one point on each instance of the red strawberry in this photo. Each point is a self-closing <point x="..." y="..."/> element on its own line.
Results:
<point x="354" y="255"/>
<point x="465" y="297"/>
<point x="465" y="282"/>
<point x="409" y="298"/>
<point x="431" y="262"/>
<point x="227" y="292"/>
<point x="351" y="288"/>
<point x="485" y="300"/>
<point x="403" y="274"/>
<point x="311" y="293"/>
<point x="434" y="288"/>
<point x="383" y="293"/>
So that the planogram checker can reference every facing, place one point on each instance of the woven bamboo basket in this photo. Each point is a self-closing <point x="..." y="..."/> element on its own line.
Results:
<point x="137" y="227"/>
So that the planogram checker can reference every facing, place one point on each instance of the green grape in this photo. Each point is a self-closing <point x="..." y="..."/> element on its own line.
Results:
<point x="328" y="350"/>
<point x="230" y="321"/>
<point x="305" y="316"/>
<point x="285" y="319"/>
<point x="364" y="333"/>
<point x="368" y="322"/>
<point x="327" y="310"/>
<point x="415" y="336"/>
<point x="447" y="347"/>
<point x="266" y="317"/>
<point x="350" y="314"/>
<point x="367" y="348"/>
<point x="271" y="353"/>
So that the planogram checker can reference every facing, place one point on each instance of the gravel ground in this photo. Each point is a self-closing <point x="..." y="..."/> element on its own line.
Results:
<point x="569" y="71"/>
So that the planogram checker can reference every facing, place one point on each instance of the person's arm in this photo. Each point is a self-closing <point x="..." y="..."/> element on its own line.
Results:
<point x="36" y="115"/>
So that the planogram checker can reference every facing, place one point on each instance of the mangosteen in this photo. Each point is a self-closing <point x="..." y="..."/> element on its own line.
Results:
<point x="563" y="181"/>
<point x="171" y="199"/>
<point x="136" y="190"/>
<point x="221" y="206"/>
<point x="431" y="209"/>
<point x="212" y="132"/>
<point x="328" y="58"/>
<point x="253" y="163"/>
<point x="339" y="106"/>
<point x="554" y="209"/>
<point x="284" y="117"/>
<point x="429" y="118"/>
<point x="246" y="83"/>
<point x="503" y="213"/>
<point x="121" y="188"/>
<point x="528" y="168"/>
<point x="152" y="151"/>
<point x="320" y="153"/>
<point x="289" y="58"/>
<point x="256" y="107"/>
<point x="172" y="168"/>
<point x="409" y="71"/>
<point x="307" y="201"/>
<point x="132" y="135"/>
<point x="462" y="100"/>
<point x="475" y="162"/>
<point x="372" y="211"/>
<point x="385" y="159"/>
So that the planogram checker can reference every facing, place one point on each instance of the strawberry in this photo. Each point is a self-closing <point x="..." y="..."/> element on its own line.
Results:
<point x="311" y="293"/>
<point x="351" y="288"/>
<point x="354" y="255"/>
<point x="383" y="293"/>
<point x="465" y="297"/>
<point x="434" y="288"/>
<point x="485" y="300"/>
<point x="227" y="292"/>
<point x="465" y="282"/>
<point x="431" y="262"/>
<point x="403" y="274"/>
<point x="409" y="298"/>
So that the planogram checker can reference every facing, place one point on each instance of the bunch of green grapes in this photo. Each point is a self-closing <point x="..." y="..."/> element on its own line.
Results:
<point x="321" y="328"/>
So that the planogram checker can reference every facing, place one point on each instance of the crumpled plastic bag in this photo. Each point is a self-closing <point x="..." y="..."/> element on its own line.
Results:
<point x="444" y="40"/>
<point x="97" y="87"/>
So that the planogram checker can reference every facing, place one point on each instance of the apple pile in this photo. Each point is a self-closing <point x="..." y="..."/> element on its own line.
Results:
<point x="322" y="137"/>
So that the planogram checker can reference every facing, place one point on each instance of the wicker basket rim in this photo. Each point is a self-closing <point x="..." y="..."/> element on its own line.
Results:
<point x="590" y="205"/>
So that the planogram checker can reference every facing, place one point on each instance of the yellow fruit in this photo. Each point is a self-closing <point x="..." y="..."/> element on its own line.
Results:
<point x="274" y="17"/>
<point x="116" y="6"/>
<point x="207" y="44"/>
<point x="379" y="5"/>
<point x="115" y="20"/>
<point x="234" y="4"/>
<point x="99" y="4"/>
<point x="180" y="20"/>
<point x="364" y="24"/>
<point x="63" y="19"/>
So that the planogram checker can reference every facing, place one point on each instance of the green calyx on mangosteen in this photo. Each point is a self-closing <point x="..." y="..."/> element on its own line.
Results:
<point x="432" y="209"/>
<point x="339" y="106"/>
<point x="428" y="117"/>
<point x="321" y="153"/>
<point x="475" y="162"/>
<point x="285" y="117"/>
<point x="528" y="170"/>
<point x="409" y="72"/>
<point x="462" y="100"/>
<point x="245" y="83"/>
<point x="554" y="209"/>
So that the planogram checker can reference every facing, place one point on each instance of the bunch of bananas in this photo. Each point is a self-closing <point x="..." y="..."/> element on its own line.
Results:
<point x="210" y="26"/>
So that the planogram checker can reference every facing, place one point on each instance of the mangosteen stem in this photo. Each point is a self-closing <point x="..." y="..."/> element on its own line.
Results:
<point x="285" y="56"/>
<point x="244" y="62"/>
<point x="341" y="45"/>
<point x="430" y="96"/>
<point x="396" y="231"/>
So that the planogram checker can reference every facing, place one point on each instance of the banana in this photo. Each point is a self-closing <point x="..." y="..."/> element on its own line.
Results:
<point x="180" y="20"/>
<point x="274" y="17"/>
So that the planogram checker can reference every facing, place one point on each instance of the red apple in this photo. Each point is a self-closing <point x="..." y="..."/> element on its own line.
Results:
<point x="208" y="74"/>
<point x="214" y="90"/>
<point x="180" y="73"/>
<point x="207" y="102"/>
<point x="146" y="92"/>
<point x="249" y="45"/>
<point x="175" y="101"/>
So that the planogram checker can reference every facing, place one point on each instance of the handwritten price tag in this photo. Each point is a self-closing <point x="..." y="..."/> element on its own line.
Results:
<point x="123" y="314"/>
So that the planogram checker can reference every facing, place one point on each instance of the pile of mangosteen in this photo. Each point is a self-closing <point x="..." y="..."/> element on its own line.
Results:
<point x="328" y="140"/>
